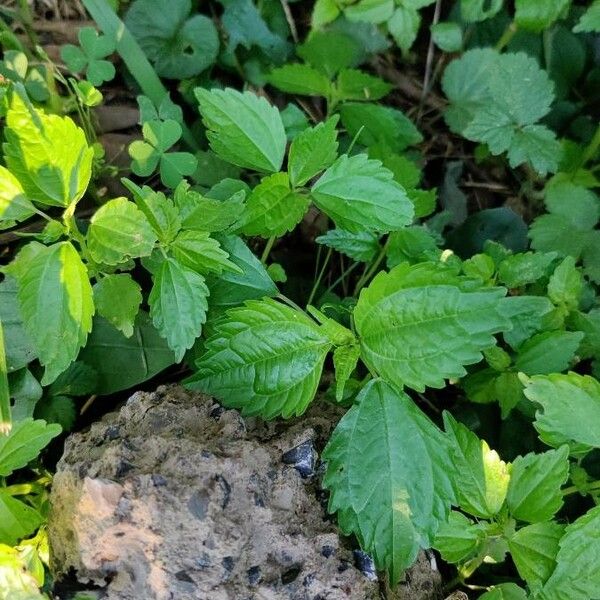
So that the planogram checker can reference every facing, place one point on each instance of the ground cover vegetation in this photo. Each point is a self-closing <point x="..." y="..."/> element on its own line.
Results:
<point x="389" y="202"/>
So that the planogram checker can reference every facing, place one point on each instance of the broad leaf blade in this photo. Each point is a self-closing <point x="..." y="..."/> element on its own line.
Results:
<point x="117" y="298"/>
<point x="17" y="519"/>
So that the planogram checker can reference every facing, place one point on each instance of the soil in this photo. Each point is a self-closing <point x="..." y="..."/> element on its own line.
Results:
<point x="173" y="497"/>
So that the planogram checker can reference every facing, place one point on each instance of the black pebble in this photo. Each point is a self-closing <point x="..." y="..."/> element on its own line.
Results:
<point x="303" y="457"/>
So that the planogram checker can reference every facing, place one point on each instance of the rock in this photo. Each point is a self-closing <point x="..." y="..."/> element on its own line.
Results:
<point x="174" y="498"/>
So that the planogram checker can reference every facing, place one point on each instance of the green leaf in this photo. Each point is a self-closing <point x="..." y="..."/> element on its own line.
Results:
<point x="536" y="16"/>
<point x="117" y="298"/>
<point x="361" y="246"/>
<point x="370" y="11"/>
<point x="533" y="550"/>
<point x="121" y="362"/>
<point x="404" y="25"/>
<point x="312" y="151"/>
<point x="536" y="145"/>
<point x="14" y="205"/>
<point x="526" y="314"/>
<point x="119" y="231"/>
<point x="418" y="334"/>
<point x="23" y="444"/>
<point x="5" y="412"/>
<point x="458" y="539"/>
<point x="358" y="194"/>
<point x="178" y="305"/>
<point x="517" y="270"/>
<point x="345" y="359"/>
<point x="570" y="409"/>
<point x="566" y="284"/>
<point x="32" y="137"/>
<point x="353" y="84"/>
<point x="198" y="251"/>
<point x="331" y="51"/>
<point x="447" y="36"/>
<point x="300" y="79"/>
<point x="576" y="576"/>
<point x="243" y="129"/>
<point x="548" y="352"/>
<point x="412" y="244"/>
<point x="78" y="380"/>
<point x="479" y="10"/>
<point x="55" y="298"/>
<point x="375" y="124"/>
<point x="534" y="492"/>
<point x="590" y="20"/>
<point x="264" y="358"/>
<point x="230" y="289"/>
<point x="504" y="591"/>
<point x="26" y="390"/>
<point x="17" y="520"/>
<point x="481" y="479"/>
<point x="19" y="347"/>
<point x="180" y="46"/>
<point x="273" y="208"/>
<point x="388" y="475"/>
<point x="89" y="57"/>
<point x="57" y="409"/>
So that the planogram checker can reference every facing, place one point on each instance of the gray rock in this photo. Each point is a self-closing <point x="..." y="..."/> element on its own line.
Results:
<point x="171" y="499"/>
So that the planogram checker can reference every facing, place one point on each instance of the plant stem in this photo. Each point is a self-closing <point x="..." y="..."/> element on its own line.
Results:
<point x="289" y="302"/>
<point x="5" y="415"/>
<point x="508" y="35"/>
<point x="341" y="278"/>
<point x="27" y="20"/>
<point x="267" y="249"/>
<point x="592" y="487"/>
<point x="319" y="277"/>
<point x="371" y="270"/>
<point x="592" y="147"/>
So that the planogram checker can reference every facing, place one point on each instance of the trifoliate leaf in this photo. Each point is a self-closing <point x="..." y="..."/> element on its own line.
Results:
<point x="312" y="151"/>
<point x="24" y="443"/>
<point x="375" y="124"/>
<point x="273" y="208"/>
<point x="180" y="46"/>
<point x="358" y="194"/>
<point x="534" y="492"/>
<point x="118" y="231"/>
<point x="536" y="16"/>
<point x="576" y="576"/>
<point x="264" y="358"/>
<point x="117" y="298"/>
<point x="533" y="550"/>
<point x="404" y="25"/>
<point x="94" y="48"/>
<point x="48" y="176"/>
<point x="388" y="473"/>
<point x="17" y="520"/>
<point x="479" y="10"/>
<point x="361" y="246"/>
<point x="243" y="128"/>
<point x="55" y="298"/>
<point x="201" y="253"/>
<point x="548" y="352"/>
<point x="481" y="479"/>
<point x="229" y="288"/>
<point x="178" y="305"/>
<point x="300" y="79"/>
<point x="166" y="110"/>
<point x="14" y="205"/>
<point x="459" y="538"/>
<point x="590" y="20"/>
<point x="353" y="84"/>
<point x="570" y="409"/>
<point x="419" y="333"/>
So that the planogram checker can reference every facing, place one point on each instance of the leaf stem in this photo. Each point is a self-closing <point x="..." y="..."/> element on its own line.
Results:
<point x="591" y="149"/>
<point x="267" y="249"/>
<point x="341" y="278"/>
<point x="508" y="35"/>
<point x="5" y="415"/>
<point x="374" y="266"/>
<point x="591" y="487"/>
<point x="319" y="277"/>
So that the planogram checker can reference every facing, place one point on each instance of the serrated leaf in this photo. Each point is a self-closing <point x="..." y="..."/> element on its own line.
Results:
<point x="570" y="408"/>
<point x="229" y="288"/>
<point x="264" y="358"/>
<point x="312" y="151"/>
<point x="411" y="244"/>
<point x="404" y="25"/>
<point x="57" y="409"/>
<point x="178" y="305"/>
<point x="576" y="576"/>
<point x="118" y="231"/>
<point x="353" y="84"/>
<point x="201" y="253"/>
<point x="534" y="492"/>
<point x="14" y="205"/>
<point x="17" y="519"/>
<point x="345" y="359"/>
<point x="5" y="412"/>
<point x="78" y="380"/>
<point x="590" y="19"/>
<point x="533" y="550"/>
<point x="300" y="79"/>
<point x="25" y="390"/>
<point x="536" y="145"/>
<point x="23" y="444"/>
<point x="566" y="284"/>
<point x="418" y="334"/>
<point x="548" y="352"/>
<point x="458" y="539"/>
<point x="243" y="129"/>
<point x="56" y="303"/>
<point x="180" y="46"/>
<point x="479" y="10"/>
<point x="376" y="124"/>
<point x="504" y="591"/>
<point x="361" y="246"/>
<point x="32" y="138"/>
<point x="118" y="298"/>
<point x="370" y="11"/>
<point x="273" y="208"/>
<point x="388" y="474"/>
<point x="481" y="479"/>
<point x="517" y="270"/>
<point x="358" y="194"/>
<point x="536" y="16"/>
